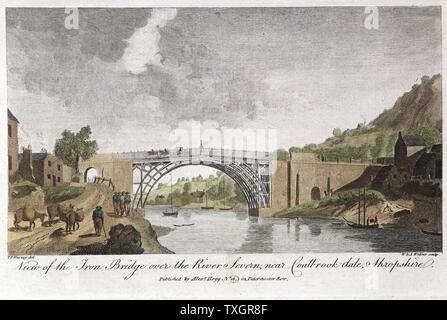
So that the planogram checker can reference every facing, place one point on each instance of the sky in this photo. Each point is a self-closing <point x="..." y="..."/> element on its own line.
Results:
<point x="146" y="78"/>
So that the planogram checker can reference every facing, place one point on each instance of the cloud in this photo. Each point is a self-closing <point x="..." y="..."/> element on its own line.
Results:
<point x="143" y="47"/>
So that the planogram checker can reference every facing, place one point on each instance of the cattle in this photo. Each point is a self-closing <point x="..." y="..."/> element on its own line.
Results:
<point x="28" y="213"/>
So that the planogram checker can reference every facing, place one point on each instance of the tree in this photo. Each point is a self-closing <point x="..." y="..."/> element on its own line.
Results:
<point x="391" y="141"/>
<point x="376" y="151"/>
<point x="187" y="188"/>
<point x="282" y="154"/>
<point x="239" y="195"/>
<point x="73" y="147"/>
<point x="225" y="187"/>
<point x="430" y="134"/>
<point x="337" y="132"/>
<point x="294" y="149"/>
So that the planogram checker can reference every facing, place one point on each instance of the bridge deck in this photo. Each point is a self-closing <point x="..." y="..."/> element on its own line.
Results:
<point x="196" y="155"/>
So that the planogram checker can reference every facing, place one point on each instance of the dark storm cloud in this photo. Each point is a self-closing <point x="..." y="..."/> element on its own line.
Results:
<point x="102" y="32"/>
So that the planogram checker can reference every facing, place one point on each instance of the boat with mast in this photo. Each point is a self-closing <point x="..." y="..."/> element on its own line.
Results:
<point x="365" y="224"/>
<point x="171" y="211"/>
<point x="206" y="207"/>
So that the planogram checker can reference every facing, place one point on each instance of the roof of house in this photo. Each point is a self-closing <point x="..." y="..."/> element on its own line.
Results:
<point x="12" y="117"/>
<point x="414" y="140"/>
<point x="425" y="159"/>
<point x="35" y="156"/>
<point x="436" y="148"/>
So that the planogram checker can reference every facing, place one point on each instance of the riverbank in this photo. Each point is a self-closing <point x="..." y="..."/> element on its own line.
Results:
<point x="415" y="213"/>
<point x="52" y="240"/>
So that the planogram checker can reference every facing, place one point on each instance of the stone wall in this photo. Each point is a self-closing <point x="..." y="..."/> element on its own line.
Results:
<point x="67" y="174"/>
<point x="293" y="181"/>
<point x="109" y="167"/>
<point x="13" y="148"/>
<point x="321" y="175"/>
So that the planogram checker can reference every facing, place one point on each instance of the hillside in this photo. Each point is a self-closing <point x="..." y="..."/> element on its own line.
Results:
<point x="218" y="187"/>
<point x="418" y="111"/>
<point x="420" y="107"/>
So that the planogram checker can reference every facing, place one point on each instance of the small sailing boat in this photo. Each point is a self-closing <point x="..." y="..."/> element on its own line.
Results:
<point x="184" y="225"/>
<point x="224" y="207"/>
<point x="363" y="225"/>
<point x="171" y="211"/>
<point x="206" y="207"/>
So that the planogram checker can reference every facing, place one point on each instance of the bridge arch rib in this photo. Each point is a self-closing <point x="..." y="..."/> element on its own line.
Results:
<point x="153" y="176"/>
<point x="249" y="169"/>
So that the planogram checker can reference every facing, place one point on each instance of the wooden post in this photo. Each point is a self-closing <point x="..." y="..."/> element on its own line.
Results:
<point x="141" y="188"/>
<point x="359" y="207"/>
<point x="364" y="205"/>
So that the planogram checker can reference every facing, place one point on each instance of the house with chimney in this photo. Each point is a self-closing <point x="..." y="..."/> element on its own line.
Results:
<point x="408" y="149"/>
<point x="415" y="167"/>
<point x="13" y="146"/>
<point x="42" y="168"/>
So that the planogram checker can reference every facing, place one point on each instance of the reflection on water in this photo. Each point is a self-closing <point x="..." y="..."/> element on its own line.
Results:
<point x="258" y="237"/>
<point x="216" y="231"/>
<point x="186" y="215"/>
<point x="315" y="229"/>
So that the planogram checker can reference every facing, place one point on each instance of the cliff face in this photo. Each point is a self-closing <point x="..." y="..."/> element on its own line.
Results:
<point x="421" y="106"/>
<point x="418" y="111"/>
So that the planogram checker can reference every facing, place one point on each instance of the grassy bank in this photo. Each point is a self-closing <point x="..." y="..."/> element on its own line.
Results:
<point x="333" y="205"/>
<point x="61" y="193"/>
<point x="23" y="188"/>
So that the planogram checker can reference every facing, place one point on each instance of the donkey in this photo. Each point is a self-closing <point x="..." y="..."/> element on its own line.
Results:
<point x="28" y="214"/>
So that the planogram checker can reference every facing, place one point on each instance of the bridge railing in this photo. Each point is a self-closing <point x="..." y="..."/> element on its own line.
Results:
<point x="104" y="180"/>
<point x="212" y="153"/>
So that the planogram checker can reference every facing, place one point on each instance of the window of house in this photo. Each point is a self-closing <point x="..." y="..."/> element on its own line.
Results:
<point x="9" y="130"/>
<point x="49" y="163"/>
<point x="59" y="167"/>
<point x="49" y="176"/>
<point x="9" y="163"/>
<point x="58" y="179"/>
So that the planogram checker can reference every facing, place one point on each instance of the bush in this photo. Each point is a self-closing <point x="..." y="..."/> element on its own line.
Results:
<point x="351" y="196"/>
<point x="62" y="193"/>
<point x="23" y="188"/>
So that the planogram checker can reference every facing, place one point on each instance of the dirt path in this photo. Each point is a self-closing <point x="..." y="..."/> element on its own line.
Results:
<point x="52" y="240"/>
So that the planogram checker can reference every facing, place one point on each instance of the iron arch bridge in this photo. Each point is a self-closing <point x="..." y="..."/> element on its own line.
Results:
<point x="250" y="170"/>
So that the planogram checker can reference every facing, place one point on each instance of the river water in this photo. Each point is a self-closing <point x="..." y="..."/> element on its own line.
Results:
<point x="216" y="231"/>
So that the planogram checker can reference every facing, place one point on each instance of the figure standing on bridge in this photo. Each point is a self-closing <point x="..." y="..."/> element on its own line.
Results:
<point x="127" y="203"/>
